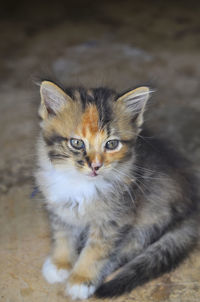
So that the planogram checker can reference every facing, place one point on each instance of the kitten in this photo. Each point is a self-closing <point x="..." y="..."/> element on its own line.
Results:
<point x="115" y="198"/>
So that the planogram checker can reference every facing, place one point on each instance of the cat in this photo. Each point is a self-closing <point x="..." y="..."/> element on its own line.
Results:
<point x="117" y="198"/>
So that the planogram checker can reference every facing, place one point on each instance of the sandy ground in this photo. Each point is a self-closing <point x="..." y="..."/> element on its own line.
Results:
<point x="109" y="43"/>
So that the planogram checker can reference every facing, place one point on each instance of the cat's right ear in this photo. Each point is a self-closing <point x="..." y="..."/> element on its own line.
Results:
<point x="53" y="98"/>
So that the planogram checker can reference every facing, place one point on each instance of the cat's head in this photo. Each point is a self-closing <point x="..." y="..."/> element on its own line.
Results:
<point x="91" y="131"/>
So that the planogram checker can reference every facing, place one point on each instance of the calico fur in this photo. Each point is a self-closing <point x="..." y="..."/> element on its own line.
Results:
<point x="134" y="208"/>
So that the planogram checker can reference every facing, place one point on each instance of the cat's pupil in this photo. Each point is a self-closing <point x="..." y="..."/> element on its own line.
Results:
<point x="77" y="143"/>
<point x="112" y="144"/>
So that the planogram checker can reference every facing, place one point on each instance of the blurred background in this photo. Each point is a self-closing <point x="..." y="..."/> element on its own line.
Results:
<point x="120" y="44"/>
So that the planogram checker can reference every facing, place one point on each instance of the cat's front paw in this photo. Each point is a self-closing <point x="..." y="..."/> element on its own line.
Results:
<point x="52" y="274"/>
<point x="80" y="291"/>
<point x="79" y="287"/>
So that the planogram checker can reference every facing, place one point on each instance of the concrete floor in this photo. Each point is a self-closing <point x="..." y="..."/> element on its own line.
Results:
<point x="108" y="43"/>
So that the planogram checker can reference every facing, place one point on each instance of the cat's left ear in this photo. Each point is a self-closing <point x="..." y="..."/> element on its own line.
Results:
<point x="134" y="102"/>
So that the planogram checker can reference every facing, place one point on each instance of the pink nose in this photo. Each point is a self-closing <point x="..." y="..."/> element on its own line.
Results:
<point x="96" y="165"/>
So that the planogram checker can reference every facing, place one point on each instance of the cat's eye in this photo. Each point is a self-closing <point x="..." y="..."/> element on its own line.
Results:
<point x="77" y="143"/>
<point x="112" y="144"/>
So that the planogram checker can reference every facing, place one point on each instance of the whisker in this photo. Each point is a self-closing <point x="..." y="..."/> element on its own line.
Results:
<point x="126" y="186"/>
<point x="135" y="182"/>
<point x="145" y="169"/>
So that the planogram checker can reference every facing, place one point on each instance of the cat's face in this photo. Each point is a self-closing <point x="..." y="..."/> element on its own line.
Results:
<point x="90" y="131"/>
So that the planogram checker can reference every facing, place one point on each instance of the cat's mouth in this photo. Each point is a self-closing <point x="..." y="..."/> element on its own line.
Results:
<point x="93" y="173"/>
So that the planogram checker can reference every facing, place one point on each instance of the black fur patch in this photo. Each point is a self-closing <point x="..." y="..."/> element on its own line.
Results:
<point x="100" y="99"/>
<point x="54" y="139"/>
<point x="53" y="155"/>
<point x="80" y="162"/>
<point x="76" y="153"/>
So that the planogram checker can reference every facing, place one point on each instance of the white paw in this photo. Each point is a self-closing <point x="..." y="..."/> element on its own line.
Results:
<point x="81" y="291"/>
<point x="52" y="274"/>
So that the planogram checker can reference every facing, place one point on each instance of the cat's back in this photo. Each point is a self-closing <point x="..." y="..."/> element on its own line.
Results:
<point x="163" y="169"/>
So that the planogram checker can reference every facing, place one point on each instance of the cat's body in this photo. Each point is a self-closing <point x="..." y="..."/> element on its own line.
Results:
<point x="115" y="196"/>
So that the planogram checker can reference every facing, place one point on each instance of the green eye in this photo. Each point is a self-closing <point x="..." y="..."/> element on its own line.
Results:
<point x="112" y="144"/>
<point x="77" y="143"/>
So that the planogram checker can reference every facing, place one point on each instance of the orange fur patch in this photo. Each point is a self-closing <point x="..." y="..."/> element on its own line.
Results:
<point x="90" y="262"/>
<point x="96" y="157"/>
<point x="116" y="155"/>
<point x="89" y="122"/>
<point x="78" y="279"/>
<point x="62" y="265"/>
<point x="61" y="253"/>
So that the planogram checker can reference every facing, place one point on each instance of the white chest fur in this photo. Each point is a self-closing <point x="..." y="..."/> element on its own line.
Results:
<point x="70" y="187"/>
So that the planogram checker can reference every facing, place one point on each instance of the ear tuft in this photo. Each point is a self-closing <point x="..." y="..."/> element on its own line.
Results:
<point x="53" y="99"/>
<point x="135" y="102"/>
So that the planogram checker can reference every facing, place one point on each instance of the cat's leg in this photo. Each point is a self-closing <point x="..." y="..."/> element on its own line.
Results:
<point x="58" y="265"/>
<point x="101" y="256"/>
<point x="87" y="272"/>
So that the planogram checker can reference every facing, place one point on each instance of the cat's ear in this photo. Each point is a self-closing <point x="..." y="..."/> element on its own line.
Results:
<point x="53" y="99"/>
<point x="134" y="103"/>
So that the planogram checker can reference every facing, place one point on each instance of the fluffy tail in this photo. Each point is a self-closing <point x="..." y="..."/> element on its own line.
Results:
<point x="158" y="258"/>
